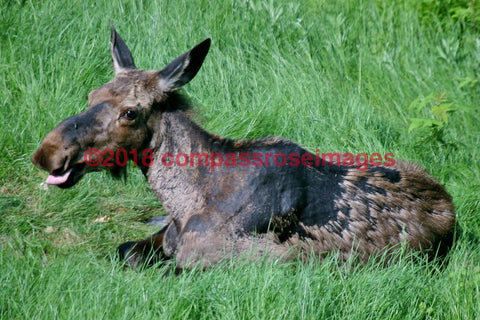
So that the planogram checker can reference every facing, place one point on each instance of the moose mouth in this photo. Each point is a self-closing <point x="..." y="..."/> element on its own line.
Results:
<point x="68" y="178"/>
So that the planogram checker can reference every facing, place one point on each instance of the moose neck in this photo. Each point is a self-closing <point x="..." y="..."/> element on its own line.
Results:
<point x="179" y="134"/>
<point x="178" y="186"/>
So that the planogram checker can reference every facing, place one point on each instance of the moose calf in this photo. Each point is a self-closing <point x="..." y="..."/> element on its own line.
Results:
<point x="283" y="211"/>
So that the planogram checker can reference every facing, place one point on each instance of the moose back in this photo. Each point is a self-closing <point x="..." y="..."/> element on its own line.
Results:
<point x="284" y="211"/>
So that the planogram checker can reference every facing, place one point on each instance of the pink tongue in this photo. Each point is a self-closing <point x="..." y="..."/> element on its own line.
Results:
<point x="56" y="180"/>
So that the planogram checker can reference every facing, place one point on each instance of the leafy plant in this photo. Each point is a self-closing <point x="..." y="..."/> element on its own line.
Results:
<point x="448" y="11"/>
<point x="439" y="109"/>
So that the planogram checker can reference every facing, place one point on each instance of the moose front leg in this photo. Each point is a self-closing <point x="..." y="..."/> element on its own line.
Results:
<point x="145" y="252"/>
<point x="209" y="248"/>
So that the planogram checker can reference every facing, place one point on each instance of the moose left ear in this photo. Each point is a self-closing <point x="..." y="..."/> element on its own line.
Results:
<point x="121" y="55"/>
<point x="181" y="70"/>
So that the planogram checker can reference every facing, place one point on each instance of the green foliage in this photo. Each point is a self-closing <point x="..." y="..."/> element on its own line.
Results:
<point x="448" y="12"/>
<point x="433" y="126"/>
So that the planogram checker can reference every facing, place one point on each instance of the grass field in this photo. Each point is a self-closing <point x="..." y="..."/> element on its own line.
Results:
<point x="353" y="76"/>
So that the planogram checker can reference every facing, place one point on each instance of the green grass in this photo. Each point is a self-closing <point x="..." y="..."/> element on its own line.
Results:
<point x="334" y="75"/>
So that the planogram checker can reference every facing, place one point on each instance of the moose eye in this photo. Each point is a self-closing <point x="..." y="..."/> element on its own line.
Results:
<point x="130" y="114"/>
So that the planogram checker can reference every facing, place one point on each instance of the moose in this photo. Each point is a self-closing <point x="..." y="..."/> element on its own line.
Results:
<point x="283" y="212"/>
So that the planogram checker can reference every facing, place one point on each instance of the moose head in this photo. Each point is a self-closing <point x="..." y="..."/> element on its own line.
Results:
<point x="119" y="114"/>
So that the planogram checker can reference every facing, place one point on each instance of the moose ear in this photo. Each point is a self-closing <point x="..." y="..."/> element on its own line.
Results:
<point x="181" y="70"/>
<point x="121" y="55"/>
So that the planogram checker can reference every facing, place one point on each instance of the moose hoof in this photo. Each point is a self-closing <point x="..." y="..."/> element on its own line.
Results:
<point x="128" y="254"/>
<point x="139" y="254"/>
<point x="159" y="222"/>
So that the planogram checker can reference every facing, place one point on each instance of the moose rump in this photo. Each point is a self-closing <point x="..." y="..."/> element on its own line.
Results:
<point x="282" y="211"/>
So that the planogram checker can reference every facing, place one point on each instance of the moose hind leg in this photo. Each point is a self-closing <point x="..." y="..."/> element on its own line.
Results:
<point x="145" y="252"/>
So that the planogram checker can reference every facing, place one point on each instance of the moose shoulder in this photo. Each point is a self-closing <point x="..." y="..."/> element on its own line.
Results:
<point x="252" y="205"/>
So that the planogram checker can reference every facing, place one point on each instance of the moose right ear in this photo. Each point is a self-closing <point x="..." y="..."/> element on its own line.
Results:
<point x="181" y="70"/>
<point x="121" y="55"/>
